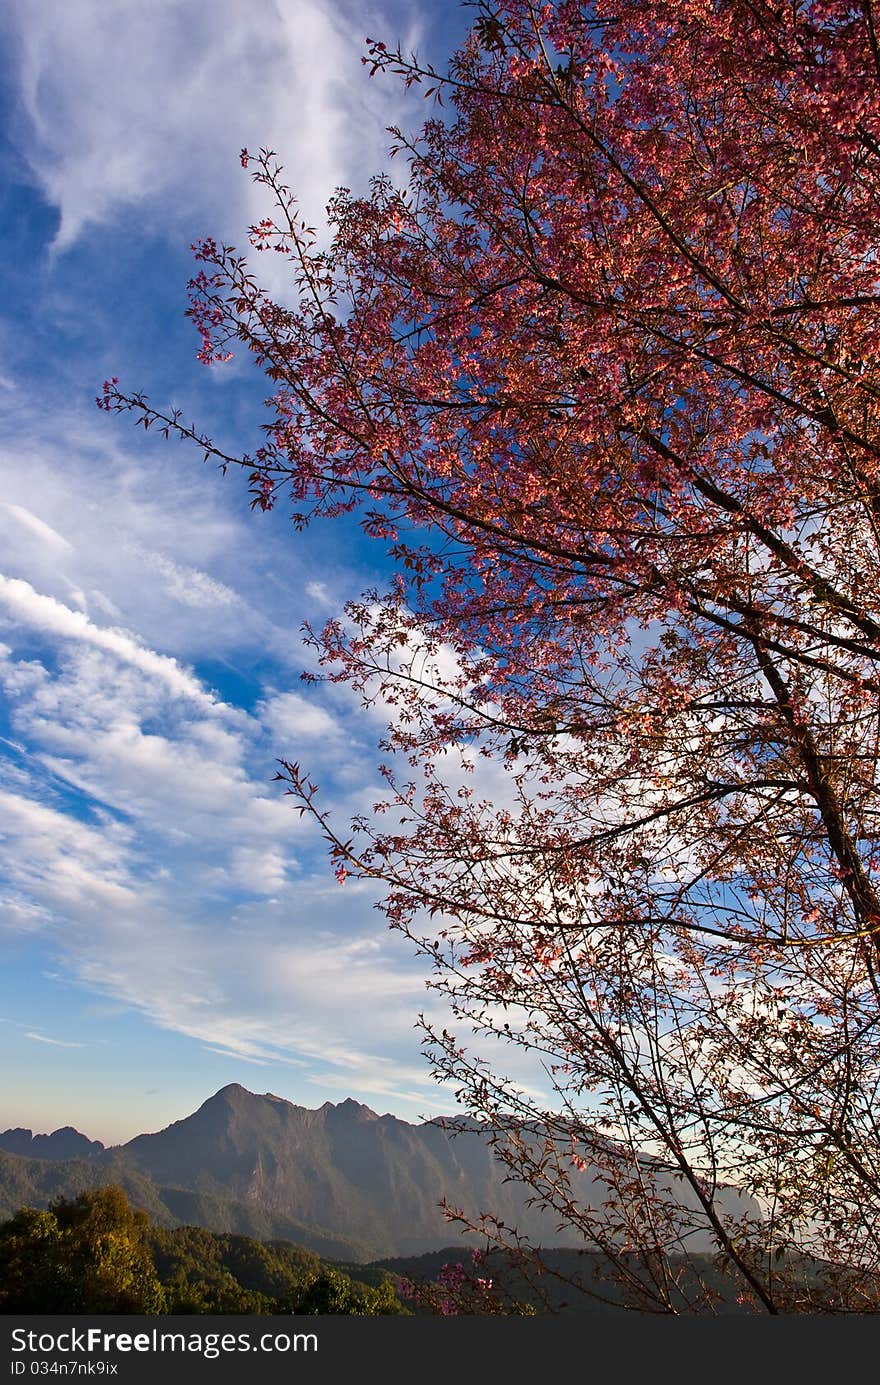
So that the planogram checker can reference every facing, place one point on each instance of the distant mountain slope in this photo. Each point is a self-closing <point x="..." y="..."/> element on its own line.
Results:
<point x="341" y="1180"/>
<point x="342" y="1167"/>
<point x="37" y="1182"/>
<point x="65" y="1143"/>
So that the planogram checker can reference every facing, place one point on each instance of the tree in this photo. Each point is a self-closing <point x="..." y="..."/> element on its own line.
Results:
<point x="603" y="377"/>
<point x="88" y="1254"/>
<point x="331" y="1291"/>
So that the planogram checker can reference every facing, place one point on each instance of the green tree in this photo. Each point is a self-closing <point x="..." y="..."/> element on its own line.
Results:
<point x="333" y="1292"/>
<point x="88" y="1254"/>
<point x="31" y="1276"/>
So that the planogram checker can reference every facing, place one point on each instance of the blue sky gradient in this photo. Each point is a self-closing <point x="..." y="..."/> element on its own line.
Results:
<point x="168" y="923"/>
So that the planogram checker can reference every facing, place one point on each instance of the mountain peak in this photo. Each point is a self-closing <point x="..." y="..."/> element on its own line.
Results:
<point x="64" y="1143"/>
<point x="235" y="1094"/>
<point x="232" y="1091"/>
<point x="354" y="1110"/>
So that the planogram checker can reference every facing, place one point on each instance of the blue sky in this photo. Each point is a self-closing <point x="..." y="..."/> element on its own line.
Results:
<point x="168" y="923"/>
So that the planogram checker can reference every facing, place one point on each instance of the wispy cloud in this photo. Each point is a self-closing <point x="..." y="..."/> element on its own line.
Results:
<point x="55" y="1043"/>
<point x="175" y="881"/>
<point x="165" y="551"/>
<point x="138" y="106"/>
<point x="38" y="527"/>
<point x="50" y="617"/>
<point x="151" y="623"/>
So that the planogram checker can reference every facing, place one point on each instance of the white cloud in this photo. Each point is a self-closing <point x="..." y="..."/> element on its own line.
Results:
<point x="51" y="617"/>
<point x="260" y="868"/>
<point x="174" y="879"/>
<point x="38" y="527"/>
<point x="168" y="551"/>
<point x="320" y="594"/>
<point x="185" y="780"/>
<point x="141" y="835"/>
<point x="303" y="983"/>
<point x="130" y="105"/>
<point x="55" y="1043"/>
<point x="292" y="718"/>
<point x="185" y="584"/>
<point x="60" y="862"/>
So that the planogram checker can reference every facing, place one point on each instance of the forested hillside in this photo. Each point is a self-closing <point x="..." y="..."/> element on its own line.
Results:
<point x="95" y="1254"/>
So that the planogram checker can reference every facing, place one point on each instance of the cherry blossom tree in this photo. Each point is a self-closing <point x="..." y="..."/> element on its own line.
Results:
<point x="603" y="378"/>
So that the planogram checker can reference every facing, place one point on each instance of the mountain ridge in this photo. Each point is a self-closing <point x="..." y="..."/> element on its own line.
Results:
<point x="63" y="1143"/>
<point x="370" y="1185"/>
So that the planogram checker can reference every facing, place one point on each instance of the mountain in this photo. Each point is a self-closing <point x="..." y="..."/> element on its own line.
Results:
<point x="37" y="1182"/>
<point x="65" y="1143"/>
<point x="340" y="1176"/>
<point x="345" y="1168"/>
